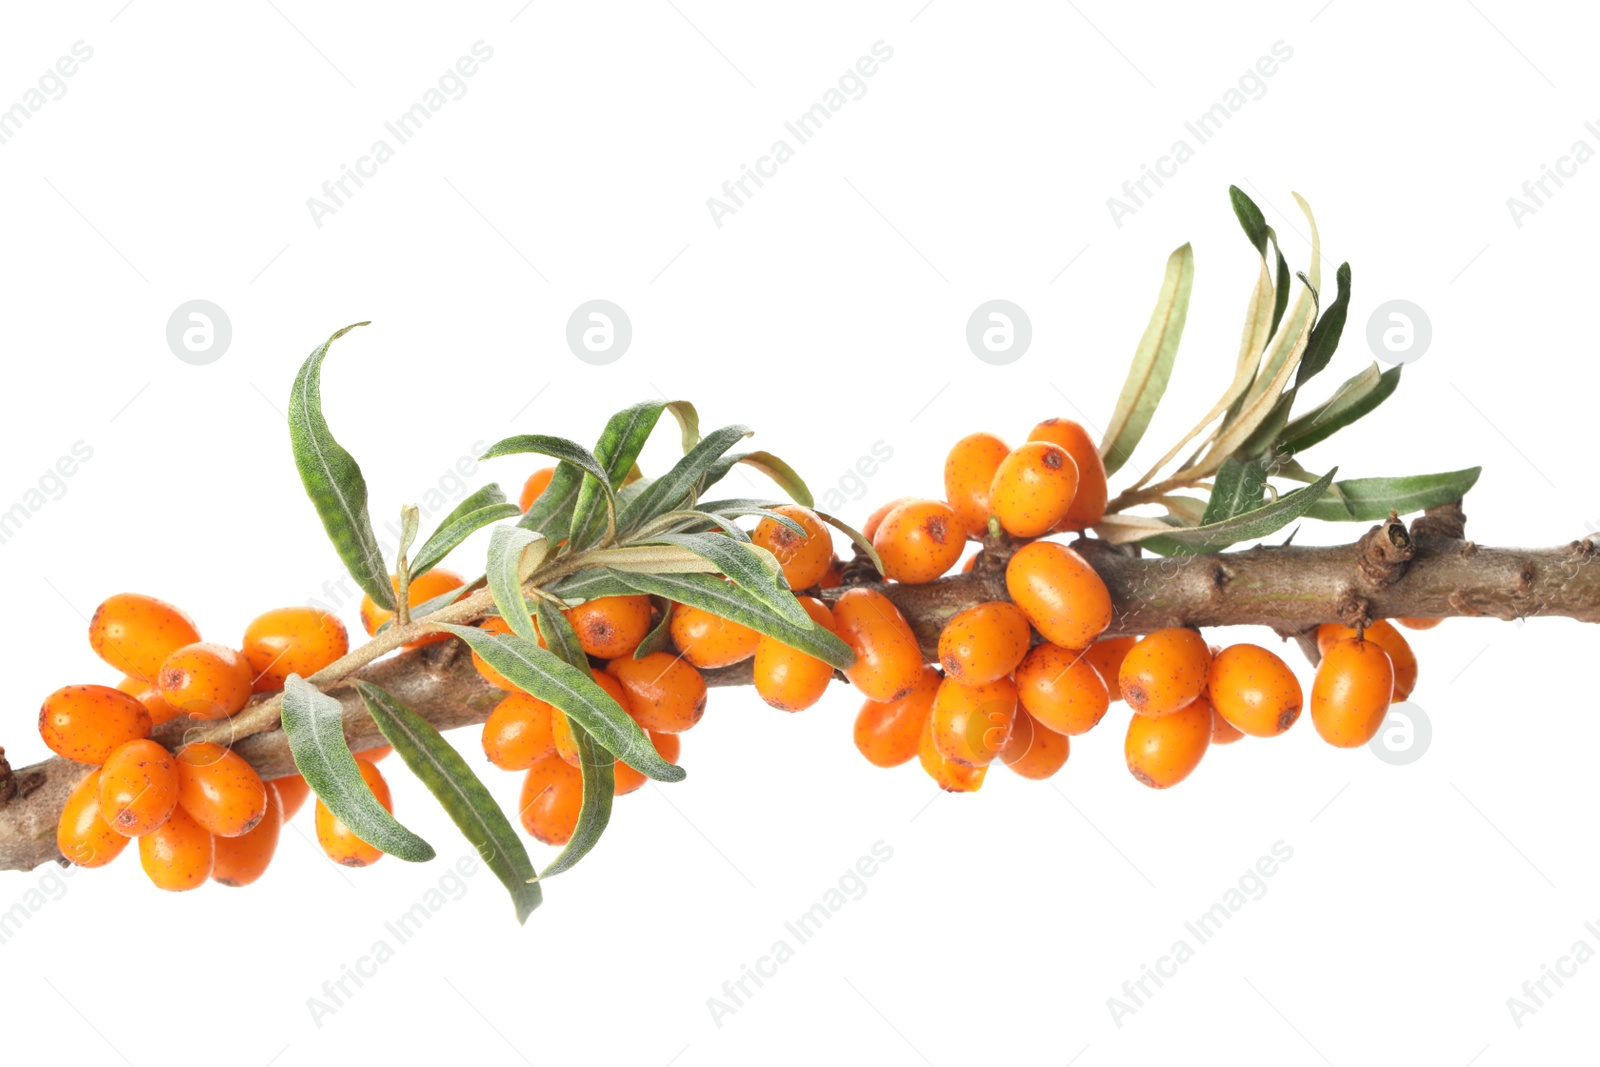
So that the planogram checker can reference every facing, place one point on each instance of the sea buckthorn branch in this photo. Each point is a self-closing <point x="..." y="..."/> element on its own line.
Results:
<point x="1427" y="570"/>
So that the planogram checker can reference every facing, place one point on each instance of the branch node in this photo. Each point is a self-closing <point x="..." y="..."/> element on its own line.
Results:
<point x="1469" y="549"/>
<point x="1383" y="552"/>
<point x="1446" y="522"/>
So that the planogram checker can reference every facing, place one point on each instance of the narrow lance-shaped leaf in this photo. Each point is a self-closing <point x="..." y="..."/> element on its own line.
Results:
<point x="334" y="482"/>
<point x="746" y="566"/>
<point x="1286" y="346"/>
<point x="513" y="555"/>
<point x="780" y="472"/>
<point x="1353" y="400"/>
<point x="1371" y="499"/>
<point x="659" y="639"/>
<point x="857" y="538"/>
<point x="570" y="453"/>
<point x="680" y="486"/>
<point x="483" y="508"/>
<point x="551" y="511"/>
<point x="617" y="450"/>
<point x="460" y="792"/>
<point x="728" y="601"/>
<point x="314" y="725"/>
<point x="1247" y="527"/>
<point x="1152" y="363"/>
<point x="543" y="675"/>
<point x="1237" y="488"/>
<point x="1326" y="333"/>
<point x="596" y="764"/>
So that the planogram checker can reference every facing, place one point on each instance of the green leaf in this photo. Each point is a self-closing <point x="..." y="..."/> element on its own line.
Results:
<point x="574" y="455"/>
<point x="653" y="559"/>
<point x="546" y="677"/>
<point x="746" y="566"/>
<point x="449" y="536"/>
<point x="1251" y="218"/>
<point x="314" y="725"/>
<point x="680" y="486"/>
<point x="1355" y="398"/>
<point x="591" y="583"/>
<point x="617" y="450"/>
<point x="659" y="639"/>
<point x="551" y="512"/>
<point x="596" y="764"/>
<point x="514" y="553"/>
<point x="1326" y="333"/>
<point x="1152" y="363"/>
<point x="333" y="481"/>
<point x="1249" y="526"/>
<point x="462" y="795"/>
<point x="1280" y="291"/>
<point x="1238" y="488"/>
<point x="768" y="464"/>
<point x="410" y="518"/>
<point x="728" y="601"/>
<point x="1371" y="499"/>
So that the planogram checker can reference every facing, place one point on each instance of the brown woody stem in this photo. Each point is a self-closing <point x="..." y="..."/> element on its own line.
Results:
<point x="1426" y="571"/>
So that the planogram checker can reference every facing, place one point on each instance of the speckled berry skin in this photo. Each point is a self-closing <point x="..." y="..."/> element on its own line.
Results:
<point x="971" y="724"/>
<point x="138" y="788"/>
<point x="985" y="642"/>
<point x="803" y="557"/>
<point x="89" y="722"/>
<point x="888" y="657"/>
<point x="611" y="626"/>
<point x="888" y="734"/>
<point x="1062" y="690"/>
<point x="1383" y="634"/>
<point x="1089" y="502"/>
<point x="1033" y="489"/>
<point x="206" y="681"/>
<point x="787" y="678"/>
<point x="968" y="474"/>
<point x="947" y="774"/>
<point x="1351" y="692"/>
<point x="219" y="789"/>
<point x="1254" y="690"/>
<point x="919" y="541"/>
<point x="1163" y="751"/>
<point x="1062" y="596"/>
<point x="1033" y="751"/>
<point x="135" y="633"/>
<point x="1165" y="671"/>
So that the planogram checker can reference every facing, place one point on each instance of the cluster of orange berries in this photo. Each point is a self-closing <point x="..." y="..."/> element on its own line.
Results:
<point x="200" y="812"/>
<point x="1003" y="694"/>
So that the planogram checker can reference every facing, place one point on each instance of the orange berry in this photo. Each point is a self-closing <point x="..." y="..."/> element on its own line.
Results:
<point x="919" y="541"/>
<point x="82" y="834"/>
<point x="1383" y="634"/>
<point x="206" y="681"/>
<point x="611" y="626"/>
<point x="89" y="722"/>
<point x="984" y="642"/>
<point x="566" y="744"/>
<point x="869" y="529"/>
<point x="241" y="860"/>
<point x="709" y="641"/>
<point x="664" y="694"/>
<point x="1351" y="692"/>
<point x="179" y="854"/>
<point x="949" y="775"/>
<point x="1033" y="488"/>
<point x="971" y="724"/>
<point x="1060" y="689"/>
<point x="1254" y="690"/>
<point x="219" y="789"/>
<point x="888" y="657"/>
<point x="291" y="795"/>
<point x="1412" y="623"/>
<point x="536" y="484"/>
<point x="375" y="754"/>
<point x="422" y="589"/>
<point x="888" y="734"/>
<point x="833" y="578"/>
<point x="1062" y="595"/>
<point x="1165" y="671"/>
<point x="804" y="557"/>
<point x="288" y="641"/>
<point x="135" y="633"/>
<point x="1033" y="751"/>
<point x="1106" y="656"/>
<point x="1223" y="732"/>
<point x="1089" y="503"/>
<point x="552" y="796"/>
<point x="627" y="780"/>
<point x="519" y="732"/>
<point x="1162" y="751"/>
<point x="338" y="841"/>
<point x="138" y="788"/>
<point x="968" y="473"/>
<point x="149" y="694"/>
<point x="787" y="678"/>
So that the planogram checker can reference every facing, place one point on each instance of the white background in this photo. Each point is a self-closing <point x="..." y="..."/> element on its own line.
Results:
<point x="828" y="313"/>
